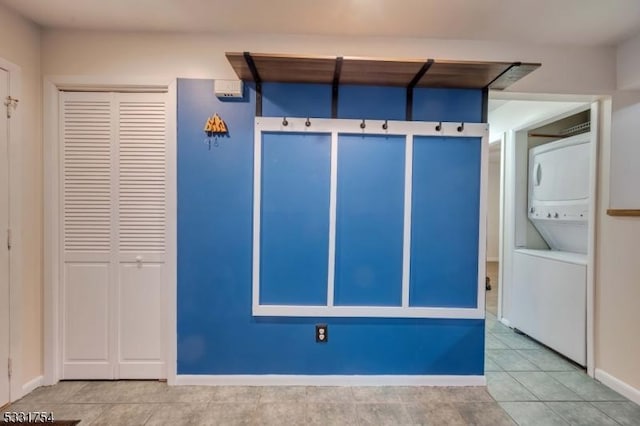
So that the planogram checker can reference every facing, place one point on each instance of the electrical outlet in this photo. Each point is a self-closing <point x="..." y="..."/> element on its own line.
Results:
<point x="322" y="333"/>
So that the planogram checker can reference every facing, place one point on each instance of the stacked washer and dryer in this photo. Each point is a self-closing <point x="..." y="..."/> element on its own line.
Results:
<point x="550" y="286"/>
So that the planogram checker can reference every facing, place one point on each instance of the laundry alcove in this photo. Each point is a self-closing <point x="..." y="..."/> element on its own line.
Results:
<point x="374" y="231"/>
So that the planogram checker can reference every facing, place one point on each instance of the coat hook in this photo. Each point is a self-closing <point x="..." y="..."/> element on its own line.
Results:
<point x="439" y="126"/>
<point x="385" y="125"/>
<point x="461" y="127"/>
<point x="363" y="125"/>
<point x="285" y="123"/>
<point x="307" y="123"/>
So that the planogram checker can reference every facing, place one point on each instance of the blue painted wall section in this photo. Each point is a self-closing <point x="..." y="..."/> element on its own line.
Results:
<point x="217" y="333"/>
<point x="294" y="238"/>
<point x="444" y="222"/>
<point x="370" y="220"/>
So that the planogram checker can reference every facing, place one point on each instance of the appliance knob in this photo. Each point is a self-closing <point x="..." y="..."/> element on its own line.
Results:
<point x="556" y="215"/>
<point x="548" y="214"/>
<point x="532" y="209"/>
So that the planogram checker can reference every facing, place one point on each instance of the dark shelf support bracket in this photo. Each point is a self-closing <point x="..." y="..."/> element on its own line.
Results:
<point x="335" y="89"/>
<point x="485" y="105"/>
<point x="513" y="65"/>
<point x="256" y="78"/>
<point x="411" y="85"/>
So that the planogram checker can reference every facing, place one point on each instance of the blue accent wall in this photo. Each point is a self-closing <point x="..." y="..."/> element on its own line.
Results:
<point x="217" y="333"/>
<point x="370" y="220"/>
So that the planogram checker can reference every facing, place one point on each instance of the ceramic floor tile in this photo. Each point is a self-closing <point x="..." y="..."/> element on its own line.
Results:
<point x="581" y="413"/>
<point x="228" y="414"/>
<point x="190" y="394"/>
<point x="283" y="394"/>
<point x="517" y="341"/>
<point x="376" y="394"/>
<point x="497" y="327"/>
<point x="177" y="414"/>
<point x="331" y="414"/>
<point x="337" y="394"/>
<point x="58" y="393"/>
<point x="435" y="414"/>
<point x="237" y="394"/>
<point x="490" y="365"/>
<point x="625" y="413"/>
<point x="467" y="394"/>
<point x="125" y="391"/>
<point x="289" y="413"/>
<point x="503" y="387"/>
<point x="484" y="414"/>
<point x="532" y="414"/>
<point x="544" y="387"/>
<point x="546" y="360"/>
<point x="126" y="415"/>
<point x="380" y="414"/>
<point x="586" y="387"/>
<point x="510" y="360"/>
<point x="492" y="342"/>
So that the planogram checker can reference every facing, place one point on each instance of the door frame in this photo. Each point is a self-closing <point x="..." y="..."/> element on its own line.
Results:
<point x="52" y="86"/>
<point x="16" y="389"/>
<point x="596" y="105"/>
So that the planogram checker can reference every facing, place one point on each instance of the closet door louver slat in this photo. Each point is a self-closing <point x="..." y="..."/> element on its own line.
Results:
<point x="86" y="175"/>
<point x="142" y="176"/>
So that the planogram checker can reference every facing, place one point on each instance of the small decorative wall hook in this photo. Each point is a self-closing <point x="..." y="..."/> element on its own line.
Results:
<point x="285" y="123"/>
<point x="308" y="122"/>
<point x="363" y="125"/>
<point x="439" y="126"/>
<point x="215" y="127"/>
<point x="461" y="127"/>
<point x="385" y="125"/>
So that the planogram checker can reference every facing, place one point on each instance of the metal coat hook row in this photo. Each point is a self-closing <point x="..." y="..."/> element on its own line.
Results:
<point x="385" y="125"/>
<point x="308" y="122"/>
<point x="285" y="123"/>
<point x="439" y="126"/>
<point x="461" y="127"/>
<point x="363" y="125"/>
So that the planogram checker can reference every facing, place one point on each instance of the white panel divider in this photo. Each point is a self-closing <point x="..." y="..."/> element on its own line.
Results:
<point x="336" y="127"/>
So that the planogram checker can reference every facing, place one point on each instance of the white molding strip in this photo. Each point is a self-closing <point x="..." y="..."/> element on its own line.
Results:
<point x="408" y="198"/>
<point x="32" y="385"/>
<point x="618" y="385"/>
<point x="493" y="259"/>
<point x="328" y="380"/>
<point x="366" y="311"/>
<point x="336" y="127"/>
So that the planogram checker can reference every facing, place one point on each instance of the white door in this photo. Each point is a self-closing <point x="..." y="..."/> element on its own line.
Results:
<point x="114" y="213"/>
<point x="4" y="249"/>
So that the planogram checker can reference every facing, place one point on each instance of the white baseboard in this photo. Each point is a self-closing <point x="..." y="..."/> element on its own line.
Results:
<point x="618" y="385"/>
<point x="32" y="385"/>
<point x="505" y="322"/>
<point x="327" y="380"/>
<point x="493" y="259"/>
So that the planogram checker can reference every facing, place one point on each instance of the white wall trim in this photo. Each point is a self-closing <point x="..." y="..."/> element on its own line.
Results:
<point x="336" y="127"/>
<point x="15" y="221"/>
<point x="618" y="385"/>
<point x="32" y="385"/>
<point x="493" y="259"/>
<point x="328" y="380"/>
<point x="52" y="86"/>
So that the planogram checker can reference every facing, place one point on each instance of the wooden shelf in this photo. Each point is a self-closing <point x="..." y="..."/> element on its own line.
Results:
<point x="624" y="212"/>
<point x="379" y="71"/>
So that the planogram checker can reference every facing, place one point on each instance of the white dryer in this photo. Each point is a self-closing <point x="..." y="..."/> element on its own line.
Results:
<point x="549" y="286"/>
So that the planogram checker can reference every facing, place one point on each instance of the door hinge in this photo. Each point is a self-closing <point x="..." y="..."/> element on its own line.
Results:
<point x="8" y="239"/>
<point x="11" y="103"/>
<point x="9" y="367"/>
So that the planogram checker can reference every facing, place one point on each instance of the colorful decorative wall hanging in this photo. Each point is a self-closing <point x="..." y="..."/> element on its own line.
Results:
<point x="214" y="128"/>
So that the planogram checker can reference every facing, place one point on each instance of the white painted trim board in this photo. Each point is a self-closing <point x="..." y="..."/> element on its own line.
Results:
<point x="618" y="385"/>
<point x="32" y="385"/>
<point x="329" y="380"/>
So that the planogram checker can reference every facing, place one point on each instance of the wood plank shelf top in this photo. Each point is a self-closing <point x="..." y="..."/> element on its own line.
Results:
<point x="624" y="212"/>
<point x="378" y="71"/>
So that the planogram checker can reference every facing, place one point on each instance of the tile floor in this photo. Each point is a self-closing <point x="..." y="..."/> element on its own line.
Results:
<point x="527" y="384"/>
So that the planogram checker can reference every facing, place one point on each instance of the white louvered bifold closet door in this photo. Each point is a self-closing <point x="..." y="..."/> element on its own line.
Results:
<point x="114" y="223"/>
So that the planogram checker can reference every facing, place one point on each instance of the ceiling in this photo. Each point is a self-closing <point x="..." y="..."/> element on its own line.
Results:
<point x="573" y="22"/>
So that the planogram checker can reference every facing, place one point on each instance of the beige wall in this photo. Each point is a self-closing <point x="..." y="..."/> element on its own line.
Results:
<point x="20" y="44"/>
<point x="565" y="70"/>
<point x="493" y="208"/>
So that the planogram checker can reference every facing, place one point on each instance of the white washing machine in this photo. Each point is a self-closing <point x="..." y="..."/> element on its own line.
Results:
<point x="549" y="286"/>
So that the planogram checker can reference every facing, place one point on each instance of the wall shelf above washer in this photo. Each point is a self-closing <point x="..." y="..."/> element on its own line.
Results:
<point x="285" y="68"/>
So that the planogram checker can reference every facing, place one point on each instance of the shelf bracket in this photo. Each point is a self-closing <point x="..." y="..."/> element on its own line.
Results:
<point x="256" y="78"/>
<point x="409" y="105"/>
<point x="335" y="87"/>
